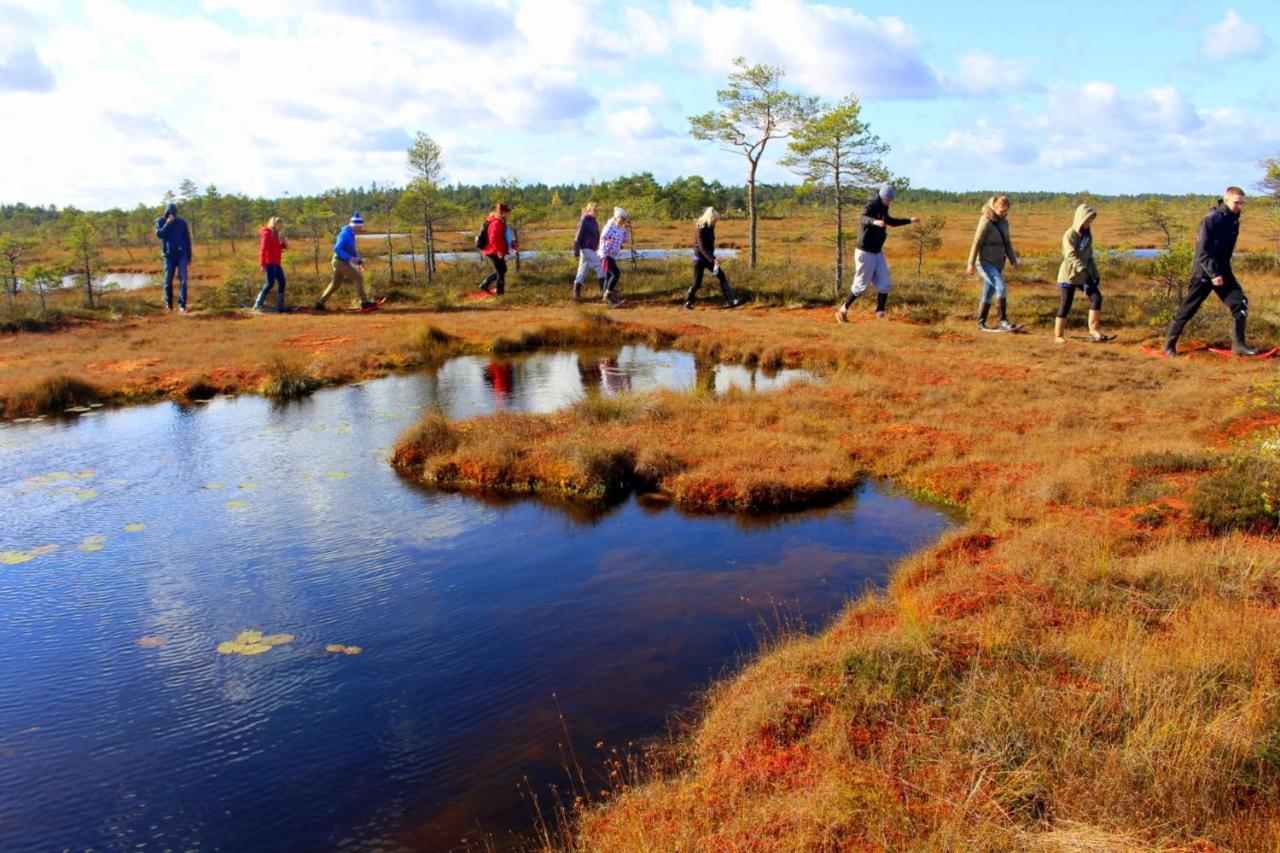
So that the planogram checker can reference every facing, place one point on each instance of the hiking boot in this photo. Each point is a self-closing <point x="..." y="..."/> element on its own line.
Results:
<point x="842" y="315"/>
<point x="319" y="306"/>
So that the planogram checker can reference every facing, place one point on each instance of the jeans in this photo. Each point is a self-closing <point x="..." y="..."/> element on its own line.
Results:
<point x="176" y="263"/>
<point x="275" y="276"/>
<point x="993" y="284"/>
<point x="498" y="276"/>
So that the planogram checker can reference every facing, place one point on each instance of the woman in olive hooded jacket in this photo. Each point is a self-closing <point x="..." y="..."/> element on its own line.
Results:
<point x="1079" y="270"/>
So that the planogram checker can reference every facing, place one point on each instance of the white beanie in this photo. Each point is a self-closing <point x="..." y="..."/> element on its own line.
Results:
<point x="619" y="213"/>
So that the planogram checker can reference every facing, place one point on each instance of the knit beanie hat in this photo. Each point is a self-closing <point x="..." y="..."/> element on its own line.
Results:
<point x="886" y="192"/>
<point x="357" y="219"/>
<point x="619" y="213"/>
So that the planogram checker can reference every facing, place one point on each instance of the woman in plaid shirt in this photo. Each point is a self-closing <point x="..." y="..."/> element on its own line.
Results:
<point x="615" y="236"/>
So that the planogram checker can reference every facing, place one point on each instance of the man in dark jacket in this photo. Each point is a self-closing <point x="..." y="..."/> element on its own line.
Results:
<point x="175" y="244"/>
<point x="1211" y="273"/>
<point x="869" y="266"/>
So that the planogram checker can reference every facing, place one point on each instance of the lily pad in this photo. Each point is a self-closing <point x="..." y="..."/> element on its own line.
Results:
<point x="13" y="558"/>
<point x="278" y="639"/>
<point x="338" y="475"/>
<point x="134" y="527"/>
<point x="41" y="550"/>
<point x="249" y="637"/>
<point x="95" y="540"/>
<point x="248" y="486"/>
<point x="252" y="643"/>
<point x="339" y="649"/>
<point x="228" y="647"/>
<point x="254" y="649"/>
<point x="86" y="474"/>
<point x="213" y="487"/>
<point x="352" y="650"/>
<point x="237" y="504"/>
<point x="92" y="543"/>
<point x="86" y="494"/>
<point x="153" y="642"/>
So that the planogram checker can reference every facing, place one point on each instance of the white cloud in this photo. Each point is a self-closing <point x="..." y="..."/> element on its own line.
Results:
<point x="979" y="73"/>
<point x="827" y="50"/>
<point x="1100" y="137"/>
<point x="1234" y="38"/>
<point x="635" y="123"/>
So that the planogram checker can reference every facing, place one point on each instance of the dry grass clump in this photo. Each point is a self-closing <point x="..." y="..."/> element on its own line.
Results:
<point x="287" y="380"/>
<point x="49" y="396"/>
<point x="432" y="345"/>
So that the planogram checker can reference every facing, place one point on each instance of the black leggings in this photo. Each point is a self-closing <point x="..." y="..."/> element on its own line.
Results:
<point x="499" y="275"/>
<point x="1069" y="295"/>
<point x="700" y="267"/>
<point x="611" y="276"/>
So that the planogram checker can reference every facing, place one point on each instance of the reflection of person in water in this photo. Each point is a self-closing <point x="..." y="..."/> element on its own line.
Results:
<point x="613" y="379"/>
<point x="501" y="377"/>
<point x="589" y="373"/>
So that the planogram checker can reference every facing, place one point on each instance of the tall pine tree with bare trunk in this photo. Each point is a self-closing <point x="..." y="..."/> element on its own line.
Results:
<point x="836" y="152"/>
<point x="754" y="111"/>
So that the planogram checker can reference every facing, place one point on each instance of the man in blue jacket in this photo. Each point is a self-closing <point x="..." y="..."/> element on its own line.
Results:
<point x="1211" y="273"/>
<point x="175" y="245"/>
<point x="869" y="265"/>
<point x="347" y="264"/>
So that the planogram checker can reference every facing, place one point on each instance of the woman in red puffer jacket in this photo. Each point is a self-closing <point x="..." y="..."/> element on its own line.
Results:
<point x="270" y="248"/>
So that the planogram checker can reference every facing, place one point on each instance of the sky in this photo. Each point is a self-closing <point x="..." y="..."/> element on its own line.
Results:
<point x="110" y="103"/>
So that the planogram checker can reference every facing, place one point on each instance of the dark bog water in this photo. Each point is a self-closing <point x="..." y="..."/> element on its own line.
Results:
<point x="176" y="529"/>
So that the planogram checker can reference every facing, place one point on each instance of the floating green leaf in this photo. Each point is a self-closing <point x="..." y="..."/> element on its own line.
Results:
<point x="237" y="504"/>
<point x="85" y="494"/>
<point x="213" y="487"/>
<point x="134" y="527"/>
<point x="13" y="558"/>
<point x="41" y="550"/>
<point x="250" y="643"/>
<point x="338" y="475"/>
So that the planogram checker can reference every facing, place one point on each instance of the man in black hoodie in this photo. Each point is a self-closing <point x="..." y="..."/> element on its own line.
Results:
<point x="175" y="245"/>
<point x="869" y="266"/>
<point x="1211" y="273"/>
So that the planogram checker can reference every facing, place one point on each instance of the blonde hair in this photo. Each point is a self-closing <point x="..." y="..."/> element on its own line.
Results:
<point x="275" y="223"/>
<point x="708" y="217"/>
<point x="990" y="207"/>
<point x="591" y="208"/>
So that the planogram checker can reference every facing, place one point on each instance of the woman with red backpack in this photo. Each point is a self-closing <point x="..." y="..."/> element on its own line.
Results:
<point x="494" y="241"/>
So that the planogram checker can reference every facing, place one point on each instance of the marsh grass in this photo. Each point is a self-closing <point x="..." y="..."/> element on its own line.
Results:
<point x="50" y="396"/>
<point x="288" y="380"/>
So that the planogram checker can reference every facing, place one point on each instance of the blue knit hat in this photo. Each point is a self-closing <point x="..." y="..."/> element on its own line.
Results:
<point x="356" y="219"/>
<point x="886" y="192"/>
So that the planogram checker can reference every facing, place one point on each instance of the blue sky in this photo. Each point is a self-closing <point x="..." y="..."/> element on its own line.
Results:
<point x="111" y="103"/>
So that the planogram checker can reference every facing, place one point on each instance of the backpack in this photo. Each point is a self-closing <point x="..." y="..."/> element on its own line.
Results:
<point x="482" y="236"/>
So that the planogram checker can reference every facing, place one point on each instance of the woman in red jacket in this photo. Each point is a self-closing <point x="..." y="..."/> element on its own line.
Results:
<point x="272" y="244"/>
<point x="499" y="241"/>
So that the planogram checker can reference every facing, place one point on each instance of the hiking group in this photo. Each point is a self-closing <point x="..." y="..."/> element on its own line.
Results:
<point x="597" y="250"/>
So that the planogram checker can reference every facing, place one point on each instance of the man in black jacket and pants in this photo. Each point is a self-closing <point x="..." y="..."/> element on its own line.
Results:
<point x="869" y="266"/>
<point x="1215" y="243"/>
